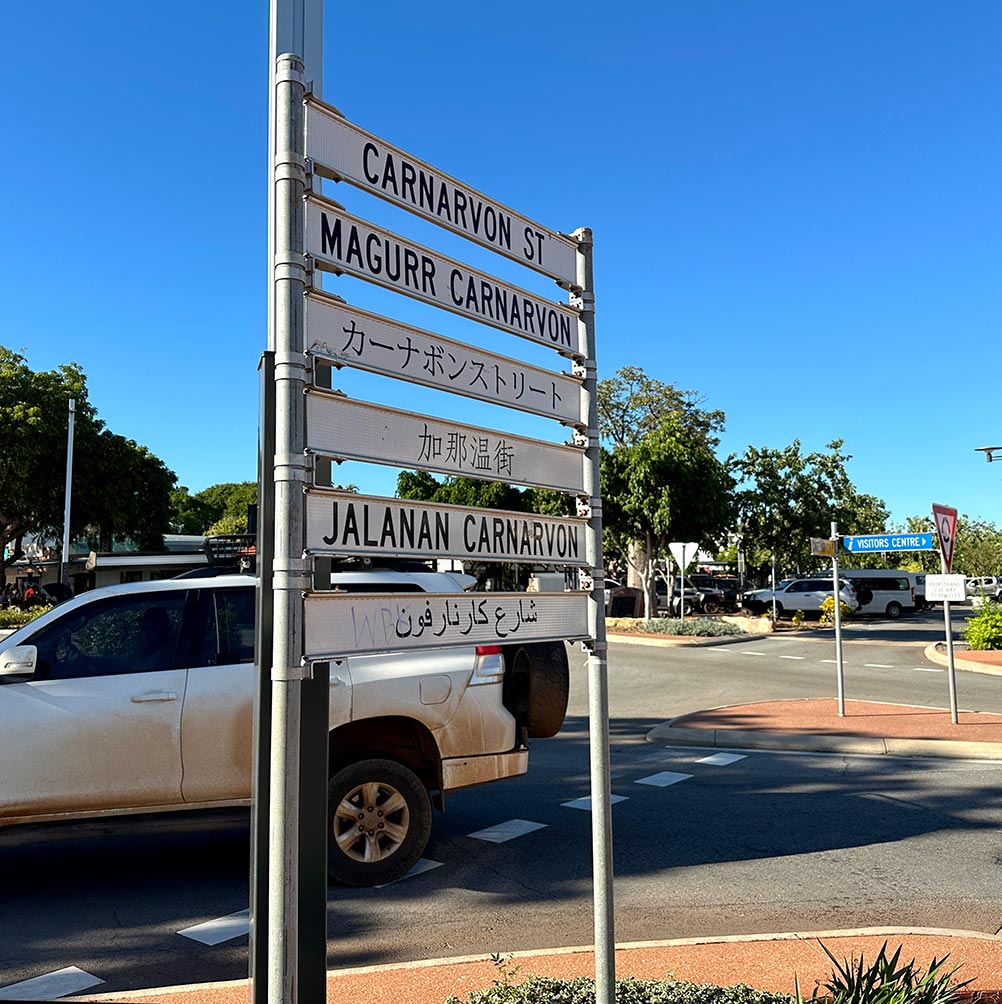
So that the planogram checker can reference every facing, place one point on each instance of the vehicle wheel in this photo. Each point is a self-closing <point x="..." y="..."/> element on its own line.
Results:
<point x="379" y="816"/>
<point x="541" y="683"/>
<point x="711" y="607"/>
<point x="894" y="610"/>
<point x="779" y="611"/>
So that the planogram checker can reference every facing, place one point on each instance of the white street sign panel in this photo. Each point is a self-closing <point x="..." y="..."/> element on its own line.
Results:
<point x="822" y="548"/>
<point x="342" y="624"/>
<point x="345" y="429"/>
<point x="945" y="519"/>
<point x="346" y="243"/>
<point x="345" y="523"/>
<point x="945" y="587"/>
<point x="683" y="552"/>
<point x="343" y="150"/>
<point x="353" y="337"/>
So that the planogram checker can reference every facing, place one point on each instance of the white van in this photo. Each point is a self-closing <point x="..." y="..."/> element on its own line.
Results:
<point x="886" y="591"/>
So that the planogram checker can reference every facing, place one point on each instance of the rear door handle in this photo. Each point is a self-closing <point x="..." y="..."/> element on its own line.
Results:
<point x="155" y="695"/>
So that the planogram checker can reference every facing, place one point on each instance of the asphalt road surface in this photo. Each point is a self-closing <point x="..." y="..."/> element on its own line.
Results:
<point x="704" y="843"/>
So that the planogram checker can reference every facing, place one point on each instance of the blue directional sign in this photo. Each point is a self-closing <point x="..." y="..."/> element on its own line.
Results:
<point x="888" y="542"/>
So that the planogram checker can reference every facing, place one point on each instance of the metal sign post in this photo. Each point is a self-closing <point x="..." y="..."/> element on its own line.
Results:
<point x="945" y="519"/>
<point x="836" y="594"/>
<point x="64" y="570"/>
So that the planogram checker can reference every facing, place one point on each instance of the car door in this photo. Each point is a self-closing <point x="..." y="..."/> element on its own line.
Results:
<point x="98" y="725"/>
<point x="218" y="715"/>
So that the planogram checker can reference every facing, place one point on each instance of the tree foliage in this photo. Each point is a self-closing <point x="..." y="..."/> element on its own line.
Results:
<point x="785" y="497"/>
<point x="120" y="489"/>
<point x="977" y="548"/>
<point x="219" y="508"/>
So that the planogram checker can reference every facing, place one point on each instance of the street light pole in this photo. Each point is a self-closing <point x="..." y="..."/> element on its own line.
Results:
<point x="64" y="564"/>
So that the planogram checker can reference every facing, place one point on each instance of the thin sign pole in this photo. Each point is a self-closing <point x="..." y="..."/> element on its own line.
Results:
<point x="64" y="574"/>
<point x="774" y="590"/>
<point x="598" y="676"/>
<point x="951" y="670"/>
<point x="839" y="669"/>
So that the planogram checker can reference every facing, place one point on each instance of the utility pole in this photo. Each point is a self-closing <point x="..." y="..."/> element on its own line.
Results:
<point x="64" y="563"/>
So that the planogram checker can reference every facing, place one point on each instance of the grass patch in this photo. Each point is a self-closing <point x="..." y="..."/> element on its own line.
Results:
<point x="701" y="627"/>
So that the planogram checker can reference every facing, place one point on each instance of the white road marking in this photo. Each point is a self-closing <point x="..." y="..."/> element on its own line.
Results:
<point x="928" y="669"/>
<point x="662" y="780"/>
<point x="585" y="803"/>
<point x="722" y="759"/>
<point x="877" y="665"/>
<point x="215" y="932"/>
<point x="752" y="653"/>
<point x="423" y="865"/>
<point x="507" y="831"/>
<point x="799" y="657"/>
<point x="50" y="986"/>
<point x="832" y="661"/>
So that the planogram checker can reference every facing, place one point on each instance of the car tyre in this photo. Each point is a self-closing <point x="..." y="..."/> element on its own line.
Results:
<point x="379" y="822"/>
<point x="894" y="610"/>
<point x="779" y="611"/>
<point x="541" y="681"/>
<point x="711" y="607"/>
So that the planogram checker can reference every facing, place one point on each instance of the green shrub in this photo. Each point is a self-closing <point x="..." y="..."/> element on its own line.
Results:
<point x="703" y="627"/>
<point x="543" y="990"/>
<point x="984" y="629"/>
<point x="883" y="982"/>
<point x="14" y="618"/>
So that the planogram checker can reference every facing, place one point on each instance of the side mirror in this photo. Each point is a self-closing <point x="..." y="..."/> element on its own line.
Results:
<point x="19" y="661"/>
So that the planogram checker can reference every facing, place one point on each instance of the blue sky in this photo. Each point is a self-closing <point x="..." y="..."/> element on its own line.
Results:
<point x="795" y="205"/>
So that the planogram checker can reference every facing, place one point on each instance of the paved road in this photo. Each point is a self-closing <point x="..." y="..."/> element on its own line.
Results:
<point x="704" y="844"/>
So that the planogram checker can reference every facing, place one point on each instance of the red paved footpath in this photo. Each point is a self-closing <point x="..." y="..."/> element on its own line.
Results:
<point x="768" y="963"/>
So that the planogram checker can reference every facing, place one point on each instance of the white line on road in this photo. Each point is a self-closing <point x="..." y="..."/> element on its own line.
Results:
<point x="753" y="653"/>
<point x="722" y="759"/>
<point x="70" y="980"/>
<point x="798" y="657"/>
<point x="662" y="780"/>
<point x="877" y="665"/>
<point x="215" y="932"/>
<point x="423" y="865"/>
<point x="585" y="803"/>
<point x="832" y="661"/>
<point x="928" y="669"/>
<point x="507" y="831"/>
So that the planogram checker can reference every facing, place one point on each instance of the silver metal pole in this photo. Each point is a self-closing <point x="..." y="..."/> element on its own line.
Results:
<point x="774" y="590"/>
<point x="681" y="587"/>
<point x="838" y="625"/>
<point x="64" y="567"/>
<point x="289" y="579"/>
<point x="598" y="682"/>
<point x="951" y="669"/>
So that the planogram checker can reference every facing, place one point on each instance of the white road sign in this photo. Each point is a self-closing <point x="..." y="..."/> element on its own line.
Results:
<point x="353" y="337"/>
<point x="343" y="624"/>
<point x="683" y="552"/>
<point x="345" y="243"/>
<point x="945" y="587"/>
<point x="345" y="523"/>
<point x="342" y="150"/>
<point x="345" y="429"/>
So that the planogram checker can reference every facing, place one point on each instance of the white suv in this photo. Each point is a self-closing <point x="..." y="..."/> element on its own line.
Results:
<point x="800" y="594"/>
<point x="139" y="698"/>
<point x="990" y="585"/>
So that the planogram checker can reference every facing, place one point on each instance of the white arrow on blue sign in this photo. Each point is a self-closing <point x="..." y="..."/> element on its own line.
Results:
<point x="875" y="542"/>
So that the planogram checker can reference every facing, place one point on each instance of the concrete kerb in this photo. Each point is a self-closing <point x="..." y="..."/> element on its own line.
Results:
<point x="668" y="734"/>
<point x="933" y="654"/>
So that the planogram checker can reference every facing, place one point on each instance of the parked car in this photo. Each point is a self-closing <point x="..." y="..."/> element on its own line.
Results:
<point x="800" y="594"/>
<point x="989" y="585"/>
<point x="139" y="698"/>
<point x="697" y="600"/>
<point x="881" y="590"/>
<point x="726" y="584"/>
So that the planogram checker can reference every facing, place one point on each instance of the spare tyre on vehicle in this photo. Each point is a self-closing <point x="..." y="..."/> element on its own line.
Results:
<point x="537" y="685"/>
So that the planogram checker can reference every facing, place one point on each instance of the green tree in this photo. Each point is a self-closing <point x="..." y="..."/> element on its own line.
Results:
<point x="224" y="505"/>
<point x="119" y="487"/>
<point x="785" y="497"/>
<point x="669" y="485"/>
<point x="977" y="548"/>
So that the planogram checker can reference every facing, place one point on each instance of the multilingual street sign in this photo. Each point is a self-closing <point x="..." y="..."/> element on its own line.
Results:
<point x="342" y="523"/>
<point x="345" y="429"/>
<point x="821" y="547"/>
<point x="344" y="624"/>
<point x="349" y="336"/>
<point x="340" y="242"/>
<point x="882" y="542"/>
<point x="341" y="150"/>
<point x="940" y="588"/>
<point x="945" y="519"/>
